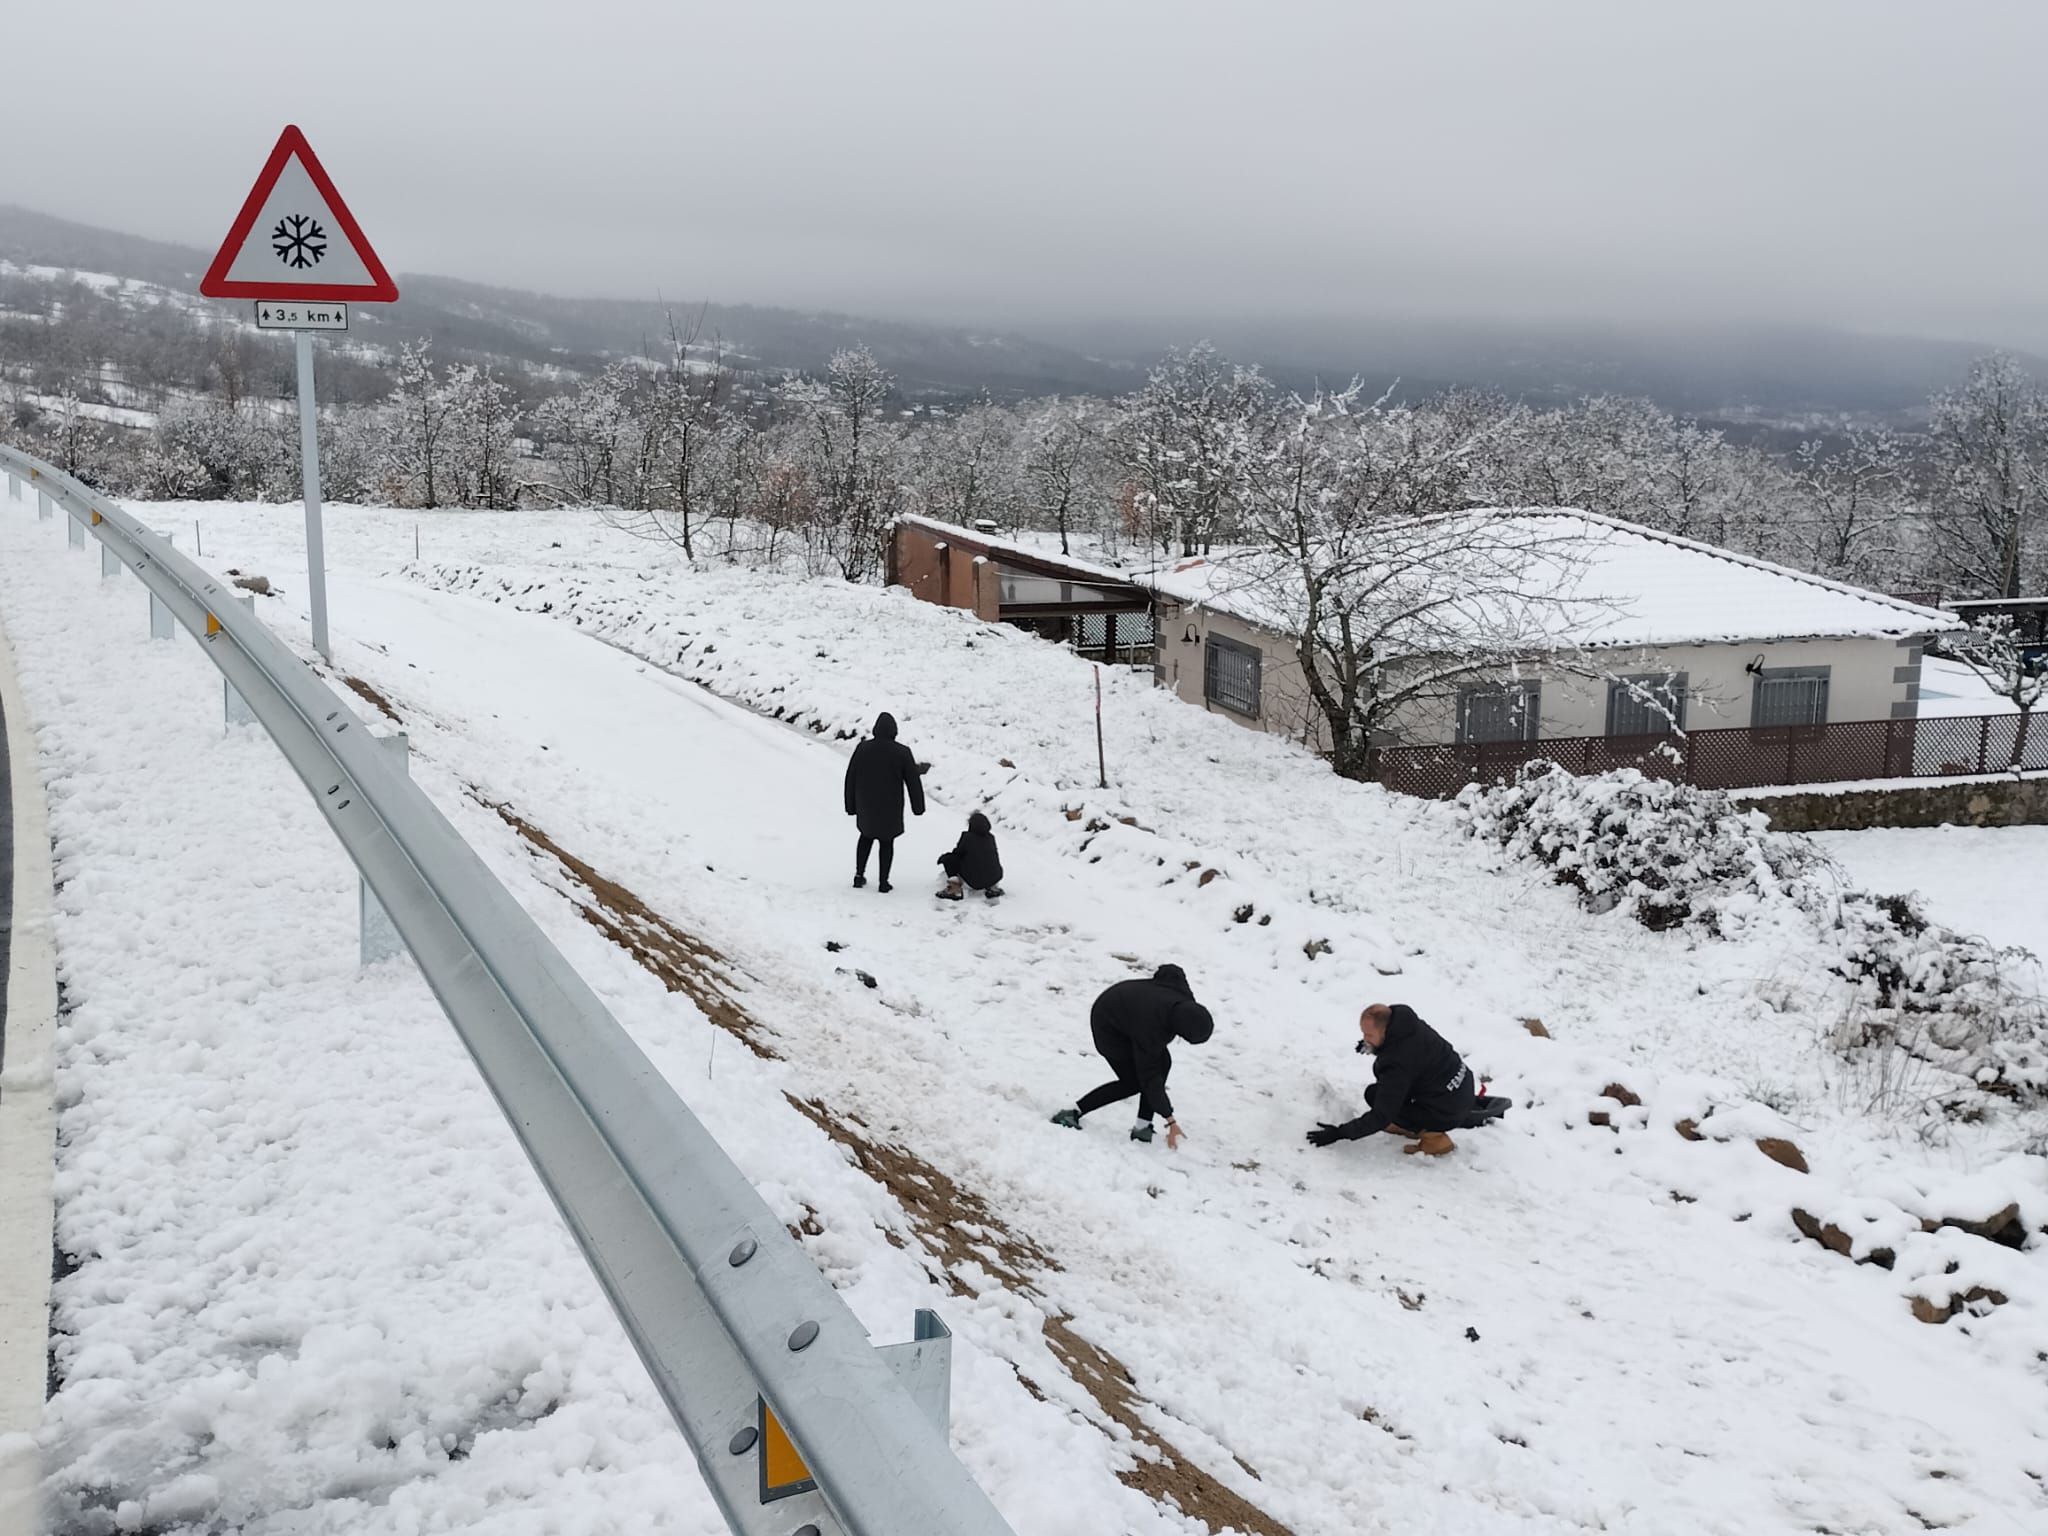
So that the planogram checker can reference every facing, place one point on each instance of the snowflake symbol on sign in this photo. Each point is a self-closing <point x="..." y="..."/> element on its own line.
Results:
<point x="300" y="242"/>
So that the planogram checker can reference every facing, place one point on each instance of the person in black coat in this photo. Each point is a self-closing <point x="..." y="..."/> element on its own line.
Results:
<point x="880" y="773"/>
<point x="1420" y="1088"/>
<point x="1133" y="1023"/>
<point x="973" y="863"/>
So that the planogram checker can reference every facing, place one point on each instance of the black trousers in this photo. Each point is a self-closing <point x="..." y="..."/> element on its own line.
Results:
<point x="1116" y="1050"/>
<point x="1452" y="1116"/>
<point x="866" y="845"/>
<point x="950" y="863"/>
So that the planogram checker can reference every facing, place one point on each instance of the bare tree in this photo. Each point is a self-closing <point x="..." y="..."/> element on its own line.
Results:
<point x="419" y="415"/>
<point x="1061" y="465"/>
<point x="1850" y="506"/>
<point x="1393" y="599"/>
<point x="1188" y="438"/>
<point x="851" y="456"/>
<point x="1989" y="440"/>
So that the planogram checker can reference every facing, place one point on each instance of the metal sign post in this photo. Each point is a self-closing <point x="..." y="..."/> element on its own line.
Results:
<point x="309" y="471"/>
<point x="297" y="250"/>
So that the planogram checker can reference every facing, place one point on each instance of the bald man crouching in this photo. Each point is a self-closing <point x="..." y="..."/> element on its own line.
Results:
<point x="1421" y="1087"/>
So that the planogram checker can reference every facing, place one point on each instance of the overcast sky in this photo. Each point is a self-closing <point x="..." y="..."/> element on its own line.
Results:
<point x="1874" y="163"/>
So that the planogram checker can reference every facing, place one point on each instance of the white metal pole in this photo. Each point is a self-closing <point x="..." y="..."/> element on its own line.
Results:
<point x="309" y="460"/>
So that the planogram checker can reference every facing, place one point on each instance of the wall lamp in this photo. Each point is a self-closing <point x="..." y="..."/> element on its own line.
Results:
<point x="1756" y="668"/>
<point x="1190" y="637"/>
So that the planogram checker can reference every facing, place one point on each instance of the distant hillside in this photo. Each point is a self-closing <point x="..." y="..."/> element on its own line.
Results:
<point x="1755" y="377"/>
<point x="541" y="330"/>
<point x="1757" y="382"/>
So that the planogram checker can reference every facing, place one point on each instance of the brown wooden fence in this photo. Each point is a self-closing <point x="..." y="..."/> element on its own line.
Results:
<point x="1740" y="758"/>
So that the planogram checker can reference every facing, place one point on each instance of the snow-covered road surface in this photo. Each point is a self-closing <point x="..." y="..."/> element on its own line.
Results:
<point x="319" y="1290"/>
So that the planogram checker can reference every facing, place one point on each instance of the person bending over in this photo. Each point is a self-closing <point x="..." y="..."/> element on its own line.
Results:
<point x="1133" y="1023"/>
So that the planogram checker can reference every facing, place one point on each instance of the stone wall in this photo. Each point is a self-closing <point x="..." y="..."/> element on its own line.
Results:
<point x="1975" y="803"/>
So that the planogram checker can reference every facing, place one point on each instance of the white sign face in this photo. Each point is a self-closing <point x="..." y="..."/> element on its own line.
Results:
<point x="298" y="238"/>
<point x="300" y="315"/>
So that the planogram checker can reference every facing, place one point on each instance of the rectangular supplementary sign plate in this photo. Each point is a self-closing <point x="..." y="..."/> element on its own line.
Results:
<point x="300" y="315"/>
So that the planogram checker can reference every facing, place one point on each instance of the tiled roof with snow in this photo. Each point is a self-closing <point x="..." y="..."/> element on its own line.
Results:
<point x="1604" y="582"/>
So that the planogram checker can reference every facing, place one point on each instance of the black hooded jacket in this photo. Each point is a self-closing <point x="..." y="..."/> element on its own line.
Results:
<point x="1135" y="1021"/>
<point x="974" y="858"/>
<point x="1419" y="1082"/>
<point x="877" y="776"/>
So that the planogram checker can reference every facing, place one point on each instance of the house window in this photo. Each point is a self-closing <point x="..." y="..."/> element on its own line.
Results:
<point x="1499" y="712"/>
<point x="1790" y="696"/>
<point x="1230" y="675"/>
<point x="1651" y="704"/>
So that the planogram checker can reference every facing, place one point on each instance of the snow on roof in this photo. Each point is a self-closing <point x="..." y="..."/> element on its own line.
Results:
<point x="998" y="545"/>
<point x="1611" y="583"/>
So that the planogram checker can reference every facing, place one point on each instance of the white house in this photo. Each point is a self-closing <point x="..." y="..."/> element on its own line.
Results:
<point x="1633" y="619"/>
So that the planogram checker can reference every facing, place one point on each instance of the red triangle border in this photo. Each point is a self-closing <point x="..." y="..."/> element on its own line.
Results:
<point x="215" y="285"/>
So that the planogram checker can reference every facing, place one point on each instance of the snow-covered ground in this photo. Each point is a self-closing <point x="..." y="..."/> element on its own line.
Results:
<point x="318" y="1291"/>
<point x="1988" y="880"/>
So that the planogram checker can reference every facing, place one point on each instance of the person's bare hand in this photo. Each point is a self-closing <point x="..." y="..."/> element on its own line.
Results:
<point x="1173" y="1134"/>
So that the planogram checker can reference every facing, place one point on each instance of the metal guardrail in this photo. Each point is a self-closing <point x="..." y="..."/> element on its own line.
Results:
<point x="724" y="1308"/>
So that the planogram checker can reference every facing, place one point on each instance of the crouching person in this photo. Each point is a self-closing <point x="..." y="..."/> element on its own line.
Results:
<point x="974" y="864"/>
<point x="1421" y="1087"/>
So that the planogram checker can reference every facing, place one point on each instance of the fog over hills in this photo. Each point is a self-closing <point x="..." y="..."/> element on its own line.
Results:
<point x="1753" y="376"/>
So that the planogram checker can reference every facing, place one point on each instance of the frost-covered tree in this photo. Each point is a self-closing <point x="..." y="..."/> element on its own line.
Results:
<point x="477" y="432"/>
<point x="965" y="465"/>
<point x="585" y="434"/>
<point x="850" y="452"/>
<point x="1064" y="475"/>
<point x="1989" y="478"/>
<point x="1357" y="548"/>
<point x="1188" y="439"/>
<point x="418" y="412"/>
<point x="1850" y="505"/>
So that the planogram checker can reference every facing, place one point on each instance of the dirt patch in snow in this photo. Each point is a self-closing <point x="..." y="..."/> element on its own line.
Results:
<point x="681" y="961"/>
<point x="957" y="1228"/>
<point x="1164" y="1476"/>
<point x="954" y="1225"/>
<point x="372" y="697"/>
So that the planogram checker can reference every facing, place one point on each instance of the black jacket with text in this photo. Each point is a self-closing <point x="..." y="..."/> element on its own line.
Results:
<point x="1419" y="1082"/>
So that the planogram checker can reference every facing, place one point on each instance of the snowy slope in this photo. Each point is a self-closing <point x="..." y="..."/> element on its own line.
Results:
<point x="319" y="1291"/>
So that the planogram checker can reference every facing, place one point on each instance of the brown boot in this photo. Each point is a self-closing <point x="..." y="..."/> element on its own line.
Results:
<point x="1432" y="1143"/>
<point x="1395" y="1130"/>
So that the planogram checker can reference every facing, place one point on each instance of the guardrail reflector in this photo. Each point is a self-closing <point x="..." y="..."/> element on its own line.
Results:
<point x="212" y="626"/>
<point x="95" y="517"/>
<point x="783" y="1472"/>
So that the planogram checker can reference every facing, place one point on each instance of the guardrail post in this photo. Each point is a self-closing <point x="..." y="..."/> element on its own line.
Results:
<point x="45" y="509"/>
<point x="380" y="940"/>
<point x="233" y="705"/>
<point x="162" y="625"/>
<point x="110" y="563"/>
<point x="74" y="533"/>
<point x="13" y="487"/>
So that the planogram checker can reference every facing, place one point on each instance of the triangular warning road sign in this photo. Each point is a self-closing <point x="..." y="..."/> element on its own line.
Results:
<point x="296" y="239"/>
